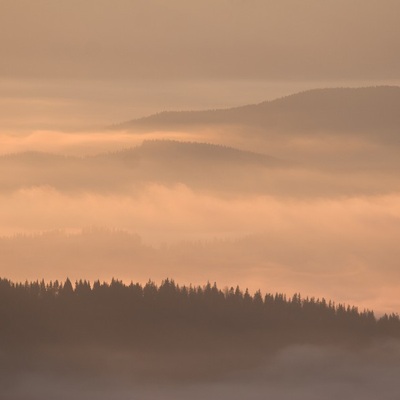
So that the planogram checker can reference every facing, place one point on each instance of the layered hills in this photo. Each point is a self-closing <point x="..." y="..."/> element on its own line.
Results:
<point x="371" y="110"/>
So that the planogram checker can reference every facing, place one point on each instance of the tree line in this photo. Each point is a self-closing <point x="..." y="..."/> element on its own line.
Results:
<point x="56" y="312"/>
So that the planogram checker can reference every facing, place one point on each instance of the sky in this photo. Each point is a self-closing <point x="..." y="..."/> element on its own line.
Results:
<point x="73" y="64"/>
<point x="69" y="69"/>
<point x="226" y="39"/>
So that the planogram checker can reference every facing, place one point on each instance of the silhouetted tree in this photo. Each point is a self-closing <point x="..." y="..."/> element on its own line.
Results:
<point x="117" y="312"/>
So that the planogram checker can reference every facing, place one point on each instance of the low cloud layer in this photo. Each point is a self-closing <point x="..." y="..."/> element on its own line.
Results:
<point x="311" y="212"/>
<point x="300" y="372"/>
<point x="345" y="248"/>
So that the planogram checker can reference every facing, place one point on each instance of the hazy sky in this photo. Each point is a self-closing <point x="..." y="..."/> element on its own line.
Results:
<point x="74" y="63"/>
<point x="178" y="39"/>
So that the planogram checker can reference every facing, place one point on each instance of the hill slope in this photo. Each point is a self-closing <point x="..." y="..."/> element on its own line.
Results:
<point x="373" y="110"/>
<point x="168" y="162"/>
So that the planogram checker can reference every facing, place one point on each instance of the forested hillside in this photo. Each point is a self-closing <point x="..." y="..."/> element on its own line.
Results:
<point x="136" y="314"/>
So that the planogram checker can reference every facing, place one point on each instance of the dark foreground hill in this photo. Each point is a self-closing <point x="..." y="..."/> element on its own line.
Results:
<point x="102" y="341"/>
<point x="178" y="316"/>
<point x="372" y="111"/>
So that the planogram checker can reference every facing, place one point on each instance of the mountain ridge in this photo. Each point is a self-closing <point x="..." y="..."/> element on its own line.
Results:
<point x="153" y="148"/>
<point x="354" y="110"/>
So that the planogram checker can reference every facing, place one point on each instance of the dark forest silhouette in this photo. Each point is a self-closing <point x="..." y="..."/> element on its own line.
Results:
<point x="116" y="334"/>
<point x="55" y="312"/>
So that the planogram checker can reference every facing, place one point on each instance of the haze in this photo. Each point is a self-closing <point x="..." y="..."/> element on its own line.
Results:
<point x="309" y="207"/>
<point x="69" y="64"/>
<point x="251" y="143"/>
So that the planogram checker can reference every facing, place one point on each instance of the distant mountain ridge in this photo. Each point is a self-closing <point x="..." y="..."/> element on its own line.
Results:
<point x="173" y="150"/>
<point x="356" y="110"/>
<point x="160" y="161"/>
<point x="158" y="150"/>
